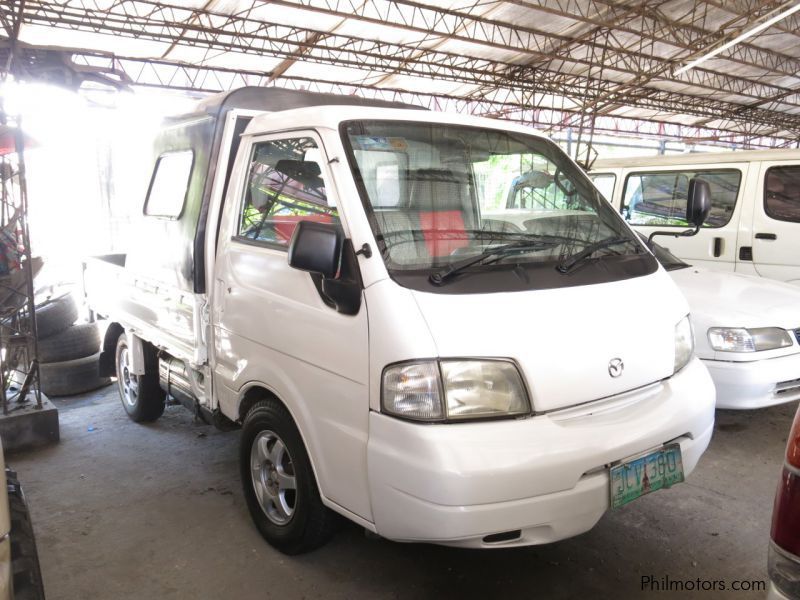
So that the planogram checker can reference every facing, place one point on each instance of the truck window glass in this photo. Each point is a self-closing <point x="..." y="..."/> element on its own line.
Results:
<point x="169" y="185"/>
<point x="284" y="186"/>
<point x="438" y="195"/>
<point x="659" y="198"/>
<point x="782" y="193"/>
<point x="605" y="183"/>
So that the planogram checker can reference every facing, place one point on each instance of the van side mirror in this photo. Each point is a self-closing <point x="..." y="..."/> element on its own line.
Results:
<point x="698" y="201"/>
<point x="316" y="248"/>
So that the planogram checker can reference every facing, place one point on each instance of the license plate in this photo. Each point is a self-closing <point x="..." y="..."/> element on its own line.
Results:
<point x="640" y="476"/>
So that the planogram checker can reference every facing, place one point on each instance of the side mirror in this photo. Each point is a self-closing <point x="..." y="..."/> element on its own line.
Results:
<point x="698" y="205"/>
<point x="316" y="248"/>
<point x="698" y="201"/>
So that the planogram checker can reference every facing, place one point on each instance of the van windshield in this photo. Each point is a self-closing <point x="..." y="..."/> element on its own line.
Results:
<point x="439" y="195"/>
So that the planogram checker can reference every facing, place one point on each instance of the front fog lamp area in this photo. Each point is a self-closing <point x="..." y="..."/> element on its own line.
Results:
<point x="736" y="339"/>
<point x="454" y="390"/>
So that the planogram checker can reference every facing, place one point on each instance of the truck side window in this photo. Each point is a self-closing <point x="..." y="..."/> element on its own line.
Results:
<point x="284" y="186"/>
<point x="782" y="193"/>
<point x="659" y="198"/>
<point x="169" y="185"/>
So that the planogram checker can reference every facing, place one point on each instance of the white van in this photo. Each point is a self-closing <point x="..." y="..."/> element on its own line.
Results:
<point x="327" y="278"/>
<point x="754" y="225"/>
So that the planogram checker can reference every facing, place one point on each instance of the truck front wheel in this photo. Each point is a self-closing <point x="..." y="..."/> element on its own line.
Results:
<point x="279" y="483"/>
<point x="141" y="395"/>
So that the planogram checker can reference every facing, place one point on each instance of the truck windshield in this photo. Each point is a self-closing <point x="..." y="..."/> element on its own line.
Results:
<point x="438" y="195"/>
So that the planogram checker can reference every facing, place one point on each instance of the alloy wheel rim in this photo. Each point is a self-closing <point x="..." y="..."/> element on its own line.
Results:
<point x="273" y="477"/>
<point x="128" y="381"/>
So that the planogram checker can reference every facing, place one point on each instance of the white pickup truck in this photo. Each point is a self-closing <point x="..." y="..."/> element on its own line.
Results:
<point x="337" y="277"/>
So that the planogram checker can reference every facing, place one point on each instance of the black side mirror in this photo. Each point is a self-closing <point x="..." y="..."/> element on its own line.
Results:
<point x="316" y="248"/>
<point x="698" y="205"/>
<point x="698" y="201"/>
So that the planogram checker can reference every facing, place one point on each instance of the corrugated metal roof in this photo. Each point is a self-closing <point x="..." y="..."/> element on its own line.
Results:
<point x="593" y="57"/>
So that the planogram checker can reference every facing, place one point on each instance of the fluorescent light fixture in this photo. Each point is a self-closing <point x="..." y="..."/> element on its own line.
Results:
<point x="740" y="38"/>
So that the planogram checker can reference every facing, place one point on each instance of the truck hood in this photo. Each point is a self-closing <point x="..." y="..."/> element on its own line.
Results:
<point x="724" y="299"/>
<point x="564" y="339"/>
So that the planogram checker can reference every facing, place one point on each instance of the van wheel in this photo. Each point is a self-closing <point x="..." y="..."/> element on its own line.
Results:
<point x="279" y="484"/>
<point x="141" y="395"/>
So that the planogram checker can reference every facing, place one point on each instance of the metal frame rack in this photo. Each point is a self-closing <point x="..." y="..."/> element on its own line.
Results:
<point x="19" y="365"/>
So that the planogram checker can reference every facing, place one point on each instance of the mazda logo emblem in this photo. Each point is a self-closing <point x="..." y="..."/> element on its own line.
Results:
<point x="615" y="367"/>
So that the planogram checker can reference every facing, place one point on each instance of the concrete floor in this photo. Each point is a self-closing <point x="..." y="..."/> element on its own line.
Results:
<point x="128" y="511"/>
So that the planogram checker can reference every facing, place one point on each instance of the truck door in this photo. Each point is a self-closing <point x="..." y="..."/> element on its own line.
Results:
<point x="273" y="328"/>
<point x="775" y="235"/>
<point x="655" y="200"/>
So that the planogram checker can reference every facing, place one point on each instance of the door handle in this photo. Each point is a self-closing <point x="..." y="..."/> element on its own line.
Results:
<point x="766" y="236"/>
<point x="717" y="247"/>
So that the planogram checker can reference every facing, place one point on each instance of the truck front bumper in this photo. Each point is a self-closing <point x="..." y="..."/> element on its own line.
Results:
<point x="545" y="476"/>
<point x="756" y="384"/>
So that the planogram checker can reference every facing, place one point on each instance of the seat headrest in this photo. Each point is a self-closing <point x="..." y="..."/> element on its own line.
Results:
<point x="306" y="172"/>
<point x="792" y="192"/>
<point x="438" y="190"/>
<point x="775" y="185"/>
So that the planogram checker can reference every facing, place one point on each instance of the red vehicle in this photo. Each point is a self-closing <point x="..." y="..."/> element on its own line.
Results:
<point x="784" y="549"/>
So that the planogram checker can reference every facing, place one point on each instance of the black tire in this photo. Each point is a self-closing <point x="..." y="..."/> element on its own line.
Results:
<point x="24" y="557"/>
<point x="71" y="377"/>
<point x="55" y="315"/>
<point x="141" y="395"/>
<point x="77" y="341"/>
<point x="311" y="524"/>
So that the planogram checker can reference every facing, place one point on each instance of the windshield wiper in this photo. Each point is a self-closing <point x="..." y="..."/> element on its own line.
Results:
<point x="440" y="277"/>
<point x="569" y="263"/>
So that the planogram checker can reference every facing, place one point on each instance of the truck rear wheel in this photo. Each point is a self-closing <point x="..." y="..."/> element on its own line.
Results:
<point x="141" y="395"/>
<point x="279" y="484"/>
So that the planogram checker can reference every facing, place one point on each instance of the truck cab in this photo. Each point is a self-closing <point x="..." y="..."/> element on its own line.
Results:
<point x="397" y="344"/>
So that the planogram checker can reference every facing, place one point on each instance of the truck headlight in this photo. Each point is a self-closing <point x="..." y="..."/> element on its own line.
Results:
<point x="684" y="343"/>
<point x="454" y="390"/>
<point x="738" y="339"/>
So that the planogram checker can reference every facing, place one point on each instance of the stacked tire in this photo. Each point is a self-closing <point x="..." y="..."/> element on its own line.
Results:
<point x="69" y="353"/>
